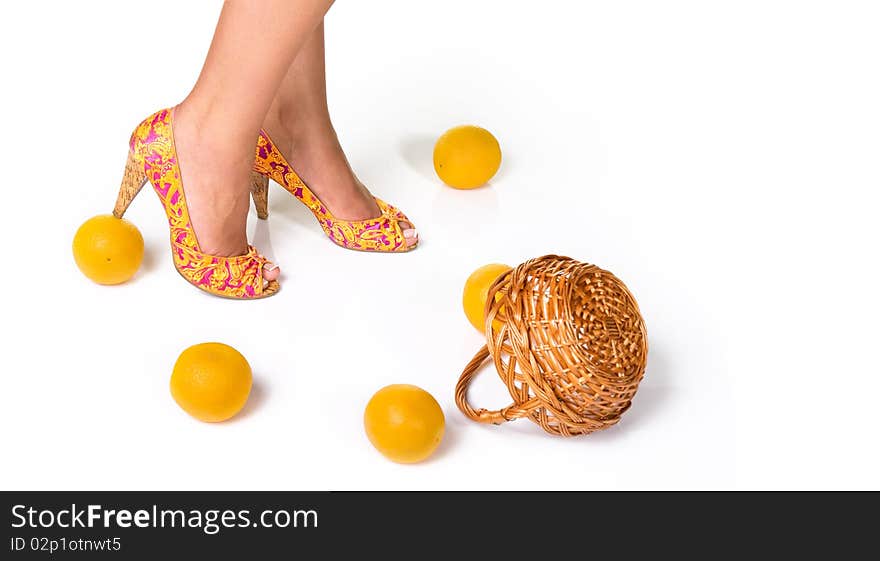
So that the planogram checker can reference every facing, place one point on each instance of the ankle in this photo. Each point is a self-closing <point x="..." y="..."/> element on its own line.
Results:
<point x="213" y="134"/>
<point x="288" y="126"/>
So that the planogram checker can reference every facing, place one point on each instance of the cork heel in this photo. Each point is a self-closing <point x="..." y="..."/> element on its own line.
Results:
<point x="260" y="194"/>
<point x="132" y="182"/>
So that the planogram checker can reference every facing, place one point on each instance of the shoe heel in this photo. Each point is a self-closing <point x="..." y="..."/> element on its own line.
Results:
<point x="260" y="194"/>
<point x="132" y="181"/>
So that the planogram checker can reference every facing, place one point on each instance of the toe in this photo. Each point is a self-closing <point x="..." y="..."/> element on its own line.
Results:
<point x="271" y="272"/>
<point x="410" y="234"/>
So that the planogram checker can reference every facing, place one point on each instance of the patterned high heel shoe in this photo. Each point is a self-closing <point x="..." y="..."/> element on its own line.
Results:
<point x="152" y="157"/>
<point x="382" y="234"/>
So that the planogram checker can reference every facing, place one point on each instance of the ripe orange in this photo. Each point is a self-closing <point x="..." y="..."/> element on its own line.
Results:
<point x="476" y="290"/>
<point x="466" y="157"/>
<point x="211" y="381"/>
<point x="107" y="249"/>
<point x="404" y="423"/>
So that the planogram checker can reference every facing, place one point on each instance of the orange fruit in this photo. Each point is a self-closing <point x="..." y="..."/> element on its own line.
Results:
<point x="404" y="423"/>
<point x="211" y="381"/>
<point x="466" y="157"/>
<point x="107" y="249"/>
<point x="476" y="290"/>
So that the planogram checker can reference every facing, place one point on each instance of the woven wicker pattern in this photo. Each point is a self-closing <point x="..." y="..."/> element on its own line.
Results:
<point x="570" y="345"/>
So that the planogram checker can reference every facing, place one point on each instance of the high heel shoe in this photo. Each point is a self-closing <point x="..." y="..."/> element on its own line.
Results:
<point x="152" y="157"/>
<point x="382" y="234"/>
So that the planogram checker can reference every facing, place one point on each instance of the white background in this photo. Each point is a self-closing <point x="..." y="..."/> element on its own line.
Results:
<point x="720" y="157"/>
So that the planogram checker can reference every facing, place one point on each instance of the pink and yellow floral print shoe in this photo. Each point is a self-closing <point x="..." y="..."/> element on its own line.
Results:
<point x="152" y="158"/>
<point x="380" y="234"/>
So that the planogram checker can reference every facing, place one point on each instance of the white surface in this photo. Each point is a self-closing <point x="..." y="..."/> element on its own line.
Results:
<point x="721" y="158"/>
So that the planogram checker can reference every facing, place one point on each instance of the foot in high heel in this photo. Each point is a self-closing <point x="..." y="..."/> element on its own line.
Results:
<point x="153" y="158"/>
<point x="357" y="219"/>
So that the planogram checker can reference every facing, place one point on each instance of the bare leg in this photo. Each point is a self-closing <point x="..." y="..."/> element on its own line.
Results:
<point x="217" y="125"/>
<point x="299" y="123"/>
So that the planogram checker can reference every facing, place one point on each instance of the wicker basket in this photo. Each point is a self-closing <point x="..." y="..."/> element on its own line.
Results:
<point x="568" y="340"/>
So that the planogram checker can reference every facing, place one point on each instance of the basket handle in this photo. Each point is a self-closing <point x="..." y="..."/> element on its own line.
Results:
<point x="496" y="417"/>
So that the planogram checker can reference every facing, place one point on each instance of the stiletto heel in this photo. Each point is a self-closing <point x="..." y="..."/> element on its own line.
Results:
<point x="153" y="158"/>
<point x="382" y="234"/>
<point x="132" y="181"/>
<point x="260" y="194"/>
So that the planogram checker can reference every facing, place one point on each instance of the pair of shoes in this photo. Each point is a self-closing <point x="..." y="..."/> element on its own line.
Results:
<point x="152" y="158"/>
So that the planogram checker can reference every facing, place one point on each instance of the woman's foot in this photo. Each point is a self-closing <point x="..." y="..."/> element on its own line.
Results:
<point x="312" y="147"/>
<point x="215" y="180"/>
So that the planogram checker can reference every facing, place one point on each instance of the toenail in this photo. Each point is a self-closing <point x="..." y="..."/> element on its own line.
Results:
<point x="410" y="233"/>
<point x="271" y="266"/>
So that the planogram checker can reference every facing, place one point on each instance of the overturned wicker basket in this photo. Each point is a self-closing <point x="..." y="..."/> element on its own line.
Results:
<point x="568" y="340"/>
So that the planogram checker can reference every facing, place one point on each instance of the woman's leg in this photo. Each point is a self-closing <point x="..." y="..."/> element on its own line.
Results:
<point x="217" y="125"/>
<point x="299" y="123"/>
